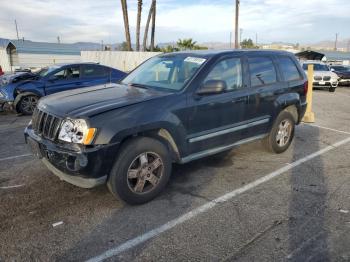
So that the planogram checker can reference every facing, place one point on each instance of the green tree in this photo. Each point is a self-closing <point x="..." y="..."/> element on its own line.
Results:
<point x="124" y="47"/>
<point x="186" y="44"/>
<point x="189" y="44"/>
<point x="248" y="43"/>
<point x="169" y="49"/>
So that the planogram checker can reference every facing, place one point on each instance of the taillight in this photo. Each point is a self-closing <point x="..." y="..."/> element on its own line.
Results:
<point x="306" y="87"/>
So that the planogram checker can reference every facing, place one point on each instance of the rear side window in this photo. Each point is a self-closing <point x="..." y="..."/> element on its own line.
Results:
<point x="94" y="71"/>
<point x="262" y="71"/>
<point x="289" y="69"/>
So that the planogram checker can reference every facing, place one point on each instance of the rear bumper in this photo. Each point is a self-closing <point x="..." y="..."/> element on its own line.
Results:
<point x="80" y="166"/>
<point x="301" y="111"/>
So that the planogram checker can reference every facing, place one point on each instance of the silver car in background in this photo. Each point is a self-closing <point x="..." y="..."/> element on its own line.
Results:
<point x="324" y="78"/>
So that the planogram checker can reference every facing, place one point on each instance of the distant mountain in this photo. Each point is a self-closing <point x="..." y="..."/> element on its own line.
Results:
<point x="85" y="46"/>
<point x="341" y="44"/>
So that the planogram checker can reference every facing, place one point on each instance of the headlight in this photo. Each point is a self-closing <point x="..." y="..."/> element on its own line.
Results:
<point x="76" y="131"/>
<point x="1" y="94"/>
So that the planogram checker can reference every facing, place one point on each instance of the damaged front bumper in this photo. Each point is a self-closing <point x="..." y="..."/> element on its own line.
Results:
<point x="84" y="167"/>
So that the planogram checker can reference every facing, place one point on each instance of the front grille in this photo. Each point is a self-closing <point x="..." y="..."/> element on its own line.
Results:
<point x="45" y="124"/>
<point x="326" y="78"/>
<point x="318" y="78"/>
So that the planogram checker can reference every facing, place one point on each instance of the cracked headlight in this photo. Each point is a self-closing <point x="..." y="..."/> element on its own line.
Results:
<point x="76" y="131"/>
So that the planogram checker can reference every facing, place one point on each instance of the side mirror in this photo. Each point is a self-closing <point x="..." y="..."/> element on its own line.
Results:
<point x="211" y="87"/>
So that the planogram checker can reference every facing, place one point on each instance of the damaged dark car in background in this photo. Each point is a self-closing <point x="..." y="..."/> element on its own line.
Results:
<point x="21" y="90"/>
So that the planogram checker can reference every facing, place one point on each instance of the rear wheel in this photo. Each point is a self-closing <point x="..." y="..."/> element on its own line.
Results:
<point x="27" y="104"/>
<point x="281" y="134"/>
<point x="141" y="170"/>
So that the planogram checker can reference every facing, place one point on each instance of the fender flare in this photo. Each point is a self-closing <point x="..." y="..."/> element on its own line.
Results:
<point x="287" y="101"/>
<point x="20" y="95"/>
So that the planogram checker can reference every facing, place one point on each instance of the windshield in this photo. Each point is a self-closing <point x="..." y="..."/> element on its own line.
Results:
<point x="169" y="73"/>
<point x="317" y="67"/>
<point x="46" y="70"/>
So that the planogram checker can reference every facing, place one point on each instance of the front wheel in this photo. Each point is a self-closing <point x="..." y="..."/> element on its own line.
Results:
<point x="281" y="134"/>
<point x="141" y="170"/>
<point x="332" y="89"/>
<point x="27" y="104"/>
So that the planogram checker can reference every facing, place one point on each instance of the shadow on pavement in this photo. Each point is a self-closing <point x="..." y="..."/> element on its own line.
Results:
<point x="307" y="231"/>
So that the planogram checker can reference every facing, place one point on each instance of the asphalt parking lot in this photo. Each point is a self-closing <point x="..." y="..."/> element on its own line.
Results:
<point x="248" y="205"/>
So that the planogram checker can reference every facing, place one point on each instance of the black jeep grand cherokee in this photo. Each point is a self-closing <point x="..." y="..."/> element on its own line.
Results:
<point x="175" y="107"/>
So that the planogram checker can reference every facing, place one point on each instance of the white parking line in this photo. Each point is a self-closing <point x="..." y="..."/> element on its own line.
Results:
<point x="209" y="205"/>
<point x="10" y="187"/>
<point x="14" y="157"/>
<point x="328" y="128"/>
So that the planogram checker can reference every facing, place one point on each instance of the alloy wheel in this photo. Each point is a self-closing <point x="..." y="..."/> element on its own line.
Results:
<point x="284" y="133"/>
<point x="145" y="172"/>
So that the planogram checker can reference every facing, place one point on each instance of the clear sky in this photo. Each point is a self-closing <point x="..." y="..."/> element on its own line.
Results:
<point x="303" y="21"/>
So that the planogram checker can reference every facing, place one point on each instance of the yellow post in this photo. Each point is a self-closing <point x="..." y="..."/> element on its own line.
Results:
<point x="309" y="116"/>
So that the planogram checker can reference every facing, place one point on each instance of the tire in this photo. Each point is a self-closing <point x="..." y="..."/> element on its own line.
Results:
<point x="276" y="144"/>
<point x="131" y="170"/>
<point x="332" y="89"/>
<point x="27" y="104"/>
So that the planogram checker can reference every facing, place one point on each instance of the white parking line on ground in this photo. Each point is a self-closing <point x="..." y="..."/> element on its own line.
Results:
<point x="14" y="157"/>
<point x="9" y="187"/>
<point x="328" y="128"/>
<point x="209" y="205"/>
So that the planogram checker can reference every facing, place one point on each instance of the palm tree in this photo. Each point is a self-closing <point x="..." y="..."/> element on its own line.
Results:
<point x="126" y="23"/>
<point x="153" y="25"/>
<point x="185" y="44"/>
<point x="150" y="14"/>
<point x="138" y="24"/>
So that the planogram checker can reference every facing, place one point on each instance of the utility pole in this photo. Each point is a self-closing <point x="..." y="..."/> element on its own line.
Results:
<point x="240" y="36"/>
<point x="230" y="39"/>
<point x="16" y="29"/>
<point x="256" y="39"/>
<point x="58" y="39"/>
<point x="236" y="24"/>
<point x="336" y="41"/>
<point x="102" y="45"/>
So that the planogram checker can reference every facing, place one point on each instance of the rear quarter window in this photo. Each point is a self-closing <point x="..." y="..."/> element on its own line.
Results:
<point x="289" y="69"/>
<point x="262" y="71"/>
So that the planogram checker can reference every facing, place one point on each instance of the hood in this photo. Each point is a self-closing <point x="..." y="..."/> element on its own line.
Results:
<point x="16" y="77"/>
<point x="93" y="100"/>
